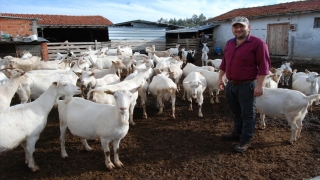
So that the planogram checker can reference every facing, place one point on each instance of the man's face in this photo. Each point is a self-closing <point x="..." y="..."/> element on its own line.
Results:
<point x="240" y="31"/>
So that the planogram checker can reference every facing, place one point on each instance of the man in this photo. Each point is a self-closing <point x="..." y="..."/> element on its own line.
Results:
<point x="203" y="39"/>
<point x="245" y="63"/>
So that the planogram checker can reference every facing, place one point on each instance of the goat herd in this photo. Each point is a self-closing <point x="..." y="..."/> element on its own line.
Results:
<point x="105" y="108"/>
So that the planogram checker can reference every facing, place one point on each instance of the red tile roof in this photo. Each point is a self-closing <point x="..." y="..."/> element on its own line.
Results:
<point x="46" y="19"/>
<point x="272" y="10"/>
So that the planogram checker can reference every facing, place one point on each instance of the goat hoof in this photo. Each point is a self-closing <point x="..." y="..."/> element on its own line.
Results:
<point x="34" y="168"/>
<point x="110" y="166"/>
<point x="290" y="142"/>
<point x="132" y="123"/>
<point x="119" y="164"/>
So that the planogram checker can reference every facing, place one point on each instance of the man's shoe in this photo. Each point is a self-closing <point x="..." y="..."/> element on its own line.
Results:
<point x="231" y="137"/>
<point x="242" y="146"/>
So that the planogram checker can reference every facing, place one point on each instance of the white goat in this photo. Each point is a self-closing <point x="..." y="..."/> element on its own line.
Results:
<point x="286" y="74"/>
<point x="204" y="58"/>
<point x="191" y="67"/>
<point x="87" y="78"/>
<point x="212" y="83"/>
<point x="194" y="85"/>
<point x="107" y="123"/>
<point x="26" y="55"/>
<point x="101" y="97"/>
<point x="176" y="73"/>
<point x="99" y="73"/>
<point x="40" y="80"/>
<point x="137" y="81"/>
<point x="184" y="54"/>
<point x="164" y="89"/>
<point x="23" y="123"/>
<point x="285" y="103"/>
<point x="215" y="62"/>
<point x="307" y="85"/>
<point x="175" y="51"/>
<point x="9" y="88"/>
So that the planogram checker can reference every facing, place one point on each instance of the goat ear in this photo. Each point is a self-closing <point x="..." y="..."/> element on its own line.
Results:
<point x="135" y="89"/>
<point x="92" y="74"/>
<point x="284" y="62"/>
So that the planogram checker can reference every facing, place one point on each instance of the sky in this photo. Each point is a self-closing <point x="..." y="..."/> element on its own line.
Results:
<point x="118" y="11"/>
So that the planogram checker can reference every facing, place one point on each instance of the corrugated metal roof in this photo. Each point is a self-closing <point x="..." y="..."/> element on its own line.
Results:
<point x="194" y="29"/>
<point x="136" y="23"/>
<point x="136" y="33"/>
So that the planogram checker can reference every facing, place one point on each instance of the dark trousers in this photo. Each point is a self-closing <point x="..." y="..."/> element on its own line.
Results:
<point x="242" y="104"/>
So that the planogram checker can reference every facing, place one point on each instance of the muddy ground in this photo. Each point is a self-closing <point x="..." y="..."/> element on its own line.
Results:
<point x="188" y="147"/>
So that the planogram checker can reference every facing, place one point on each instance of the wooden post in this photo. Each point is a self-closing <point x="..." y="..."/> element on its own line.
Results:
<point x="95" y="44"/>
<point x="187" y="42"/>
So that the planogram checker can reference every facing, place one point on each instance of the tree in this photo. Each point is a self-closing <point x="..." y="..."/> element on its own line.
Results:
<point x="194" y="21"/>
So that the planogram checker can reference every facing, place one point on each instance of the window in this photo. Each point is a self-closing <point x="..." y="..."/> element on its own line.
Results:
<point x="317" y="22"/>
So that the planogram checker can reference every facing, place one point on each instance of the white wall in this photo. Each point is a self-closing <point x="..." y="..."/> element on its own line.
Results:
<point x="303" y="44"/>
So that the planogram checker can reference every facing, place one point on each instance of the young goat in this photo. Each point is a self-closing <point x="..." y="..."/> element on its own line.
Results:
<point x="23" y="123"/>
<point x="107" y="122"/>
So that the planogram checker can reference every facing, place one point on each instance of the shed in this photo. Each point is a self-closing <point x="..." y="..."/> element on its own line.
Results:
<point x="188" y="37"/>
<point x="291" y="30"/>
<point x="59" y="28"/>
<point x="140" y="34"/>
<point x="19" y="30"/>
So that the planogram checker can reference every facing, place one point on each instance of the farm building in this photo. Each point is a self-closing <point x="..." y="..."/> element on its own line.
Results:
<point x="140" y="34"/>
<point x="15" y="37"/>
<point x="188" y="37"/>
<point x="59" y="28"/>
<point x="55" y="28"/>
<point x="291" y="30"/>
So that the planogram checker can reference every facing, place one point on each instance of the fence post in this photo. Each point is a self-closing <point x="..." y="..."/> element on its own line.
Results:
<point x="187" y="41"/>
<point x="95" y="44"/>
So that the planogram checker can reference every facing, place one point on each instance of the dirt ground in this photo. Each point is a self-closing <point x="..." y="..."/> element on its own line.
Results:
<point x="188" y="147"/>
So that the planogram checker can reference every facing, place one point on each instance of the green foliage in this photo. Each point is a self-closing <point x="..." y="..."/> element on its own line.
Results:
<point x="194" y="21"/>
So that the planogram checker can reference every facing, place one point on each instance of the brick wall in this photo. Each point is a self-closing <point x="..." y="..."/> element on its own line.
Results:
<point x="16" y="26"/>
<point x="44" y="49"/>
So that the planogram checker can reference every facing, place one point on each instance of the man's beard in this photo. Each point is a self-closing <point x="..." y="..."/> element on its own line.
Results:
<point x="243" y="35"/>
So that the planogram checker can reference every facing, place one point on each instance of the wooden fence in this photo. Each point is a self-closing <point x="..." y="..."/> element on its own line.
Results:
<point x="78" y="47"/>
<point x="188" y="44"/>
<point x="75" y="47"/>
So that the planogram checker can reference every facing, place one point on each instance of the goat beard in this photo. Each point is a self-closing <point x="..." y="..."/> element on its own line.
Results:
<point x="125" y="118"/>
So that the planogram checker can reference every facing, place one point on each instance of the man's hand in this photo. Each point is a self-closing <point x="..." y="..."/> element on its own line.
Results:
<point x="258" y="91"/>
<point x="221" y="84"/>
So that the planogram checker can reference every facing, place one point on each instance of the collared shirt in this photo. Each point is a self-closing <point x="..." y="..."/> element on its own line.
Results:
<point x="246" y="61"/>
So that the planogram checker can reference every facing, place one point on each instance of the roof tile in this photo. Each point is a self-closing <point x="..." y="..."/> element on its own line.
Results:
<point x="46" y="19"/>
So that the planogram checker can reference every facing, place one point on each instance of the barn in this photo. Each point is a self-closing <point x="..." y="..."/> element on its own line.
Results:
<point x="291" y="30"/>
<point x="188" y="37"/>
<point x="15" y="37"/>
<point x="140" y="34"/>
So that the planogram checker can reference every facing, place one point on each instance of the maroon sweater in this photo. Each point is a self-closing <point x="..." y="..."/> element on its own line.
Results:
<point x="247" y="61"/>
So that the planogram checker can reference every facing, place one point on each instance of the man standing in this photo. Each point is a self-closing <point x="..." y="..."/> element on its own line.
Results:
<point x="245" y="63"/>
<point x="203" y="39"/>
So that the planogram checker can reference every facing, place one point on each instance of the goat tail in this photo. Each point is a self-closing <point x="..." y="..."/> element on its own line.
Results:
<point x="312" y="98"/>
